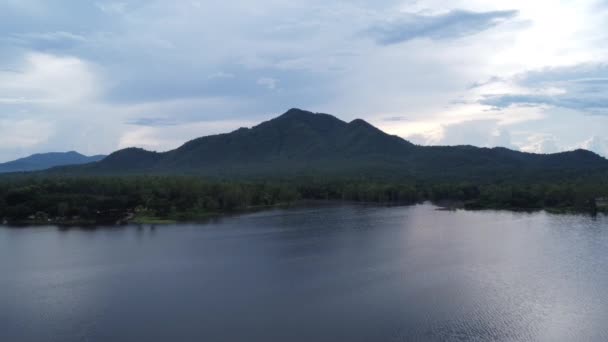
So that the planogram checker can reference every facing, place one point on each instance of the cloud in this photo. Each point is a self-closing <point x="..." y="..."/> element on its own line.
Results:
<point x="169" y="137"/>
<point x="107" y="73"/>
<point x="601" y="4"/>
<point x="24" y="133"/>
<point x="37" y="16"/>
<point x="57" y="40"/>
<point x="19" y="136"/>
<point x="152" y="122"/>
<point x="50" y="79"/>
<point x="395" y="118"/>
<point x="485" y="133"/>
<point x="453" y="24"/>
<point x="542" y="143"/>
<point x="221" y="75"/>
<point x="596" y="144"/>
<point x="268" y="82"/>
<point x="112" y="7"/>
<point x="581" y="87"/>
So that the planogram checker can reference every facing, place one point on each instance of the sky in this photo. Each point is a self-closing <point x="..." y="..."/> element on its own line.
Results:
<point x="97" y="76"/>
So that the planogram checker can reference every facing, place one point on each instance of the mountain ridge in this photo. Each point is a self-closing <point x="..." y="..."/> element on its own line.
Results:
<point x="42" y="161"/>
<point x="299" y="142"/>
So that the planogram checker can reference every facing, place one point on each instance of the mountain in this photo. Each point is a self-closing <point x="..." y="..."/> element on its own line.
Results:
<point x="44" y="161"/>
<point x="301" y="143"/>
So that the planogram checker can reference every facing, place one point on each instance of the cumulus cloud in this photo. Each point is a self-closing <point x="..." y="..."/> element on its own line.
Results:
<point x="485" y="133"/>
<point x="542" y="143"/>
<point x="50" y="79"/>
<point x="596" y="144"/>
<point x="453" y="24"/>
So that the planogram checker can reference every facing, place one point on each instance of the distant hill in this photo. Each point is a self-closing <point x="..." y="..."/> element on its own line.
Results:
<point x="43" y="161"/>
<point x="301" y="143"/>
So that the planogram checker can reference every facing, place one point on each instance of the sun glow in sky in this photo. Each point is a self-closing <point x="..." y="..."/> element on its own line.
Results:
<point x="96" y="76"/>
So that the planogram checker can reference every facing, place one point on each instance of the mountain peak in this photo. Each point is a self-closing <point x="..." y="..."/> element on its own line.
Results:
<point x="296" y="112"/>
<point x="298" y="117"/>
<point x="300" y="114"/>
<point x="301" y="142"/>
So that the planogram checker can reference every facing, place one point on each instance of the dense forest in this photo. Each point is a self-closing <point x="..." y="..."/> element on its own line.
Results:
<point x="304" y="144"/>
<point x="82" y="200"/>
<point x="301" y="156"/>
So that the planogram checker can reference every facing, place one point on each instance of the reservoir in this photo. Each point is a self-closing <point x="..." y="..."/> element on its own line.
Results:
<point x="341" y="272"/>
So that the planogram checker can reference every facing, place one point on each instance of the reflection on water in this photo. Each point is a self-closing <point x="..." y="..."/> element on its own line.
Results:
<point x="339" y="273"/>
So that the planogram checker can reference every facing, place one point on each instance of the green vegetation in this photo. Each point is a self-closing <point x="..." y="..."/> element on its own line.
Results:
<point x="301" y="155"/>
<point x="303" y="144"/>
<point x="141" y="199"/>
<point x="155" y="199"/>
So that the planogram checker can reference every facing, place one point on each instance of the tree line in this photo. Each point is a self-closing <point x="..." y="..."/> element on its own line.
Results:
<point x="96" y="199"/>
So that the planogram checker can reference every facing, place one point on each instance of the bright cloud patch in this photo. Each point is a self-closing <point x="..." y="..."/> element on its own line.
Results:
<point x="484" y="133"/>
<point x="597" y="144"/>
<point x="45" y="78"/>
<point x="162" y="138"/>
<point x="541" y="144"/>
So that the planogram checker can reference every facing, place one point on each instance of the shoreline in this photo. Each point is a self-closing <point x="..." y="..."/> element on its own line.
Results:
<point x="133" y="218"/>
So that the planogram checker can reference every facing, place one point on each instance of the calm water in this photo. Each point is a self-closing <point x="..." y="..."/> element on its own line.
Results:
<point x="340" y="273"/>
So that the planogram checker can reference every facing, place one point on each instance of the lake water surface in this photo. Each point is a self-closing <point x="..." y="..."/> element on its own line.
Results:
<point x="332" y="273"/>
